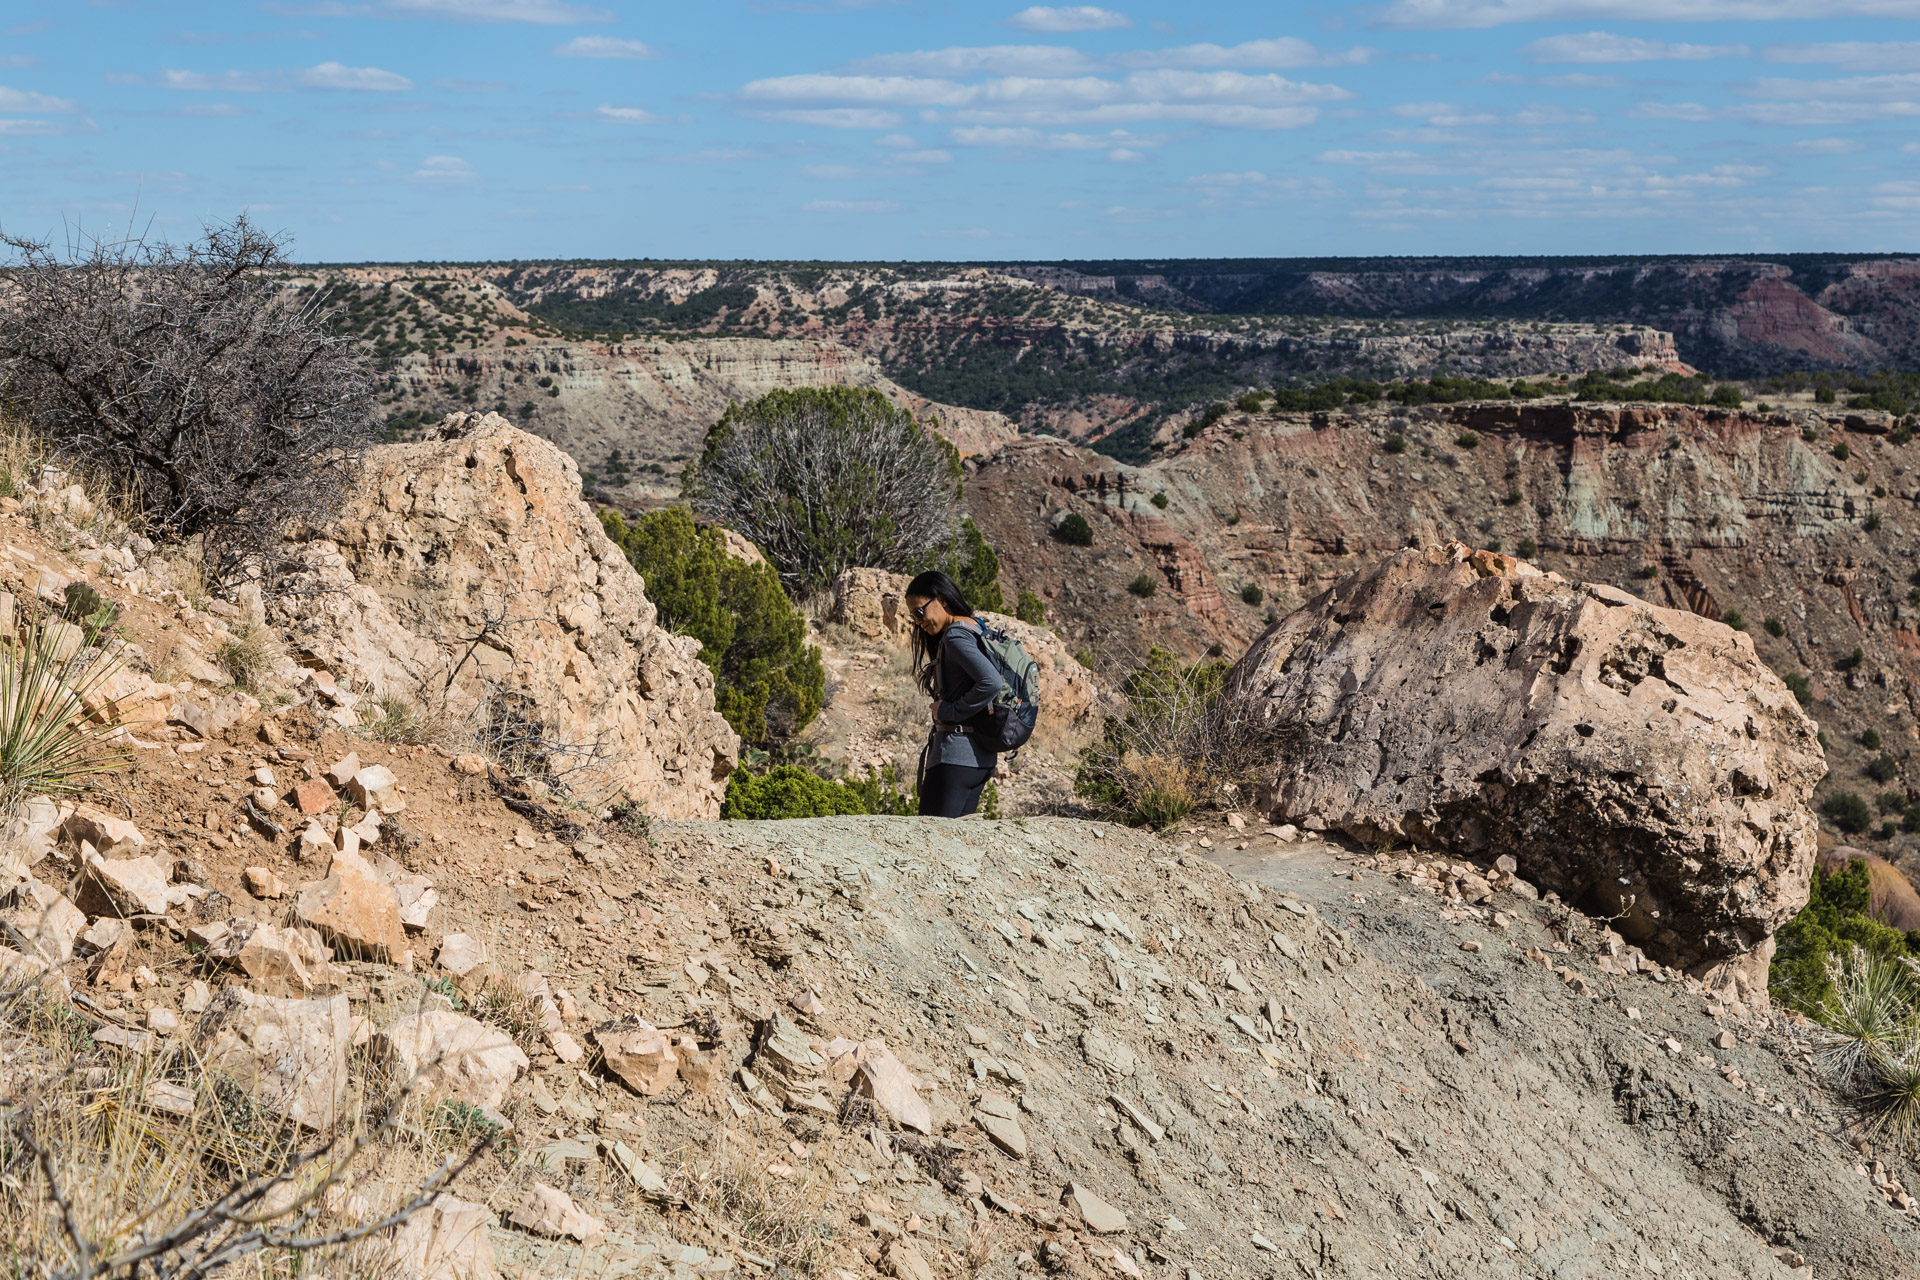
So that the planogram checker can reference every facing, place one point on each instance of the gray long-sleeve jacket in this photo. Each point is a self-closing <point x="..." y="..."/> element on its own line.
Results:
<point x="968" y="683"/>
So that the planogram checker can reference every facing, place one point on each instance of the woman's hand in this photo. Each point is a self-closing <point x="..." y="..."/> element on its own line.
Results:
<point x="933" y="712"/>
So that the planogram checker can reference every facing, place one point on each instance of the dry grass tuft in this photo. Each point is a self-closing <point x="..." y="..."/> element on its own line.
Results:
<point x="250" y="657"/>
<point x="1871" y="1024"/>
<point x="732" y="1190"/>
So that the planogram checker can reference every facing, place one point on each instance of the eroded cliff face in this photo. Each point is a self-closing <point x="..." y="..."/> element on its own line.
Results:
<point x="654" y="399"/>
<point x="1718" y="512"/>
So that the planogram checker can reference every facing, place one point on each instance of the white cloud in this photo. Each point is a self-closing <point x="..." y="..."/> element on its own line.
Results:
<point x="539" y="12"/>
<point x="1692" y="111"/>
<point x="1024" y="139"/>
<point x="834" y="117"/>
<point x="1003" y="59"/>
<point x="899" y="91"/>
<point x="627" y="115"/>
<point x="1366" y="157"/>
<point x="31" y="103"/>
<point x="31" y="128"/>
<point x="1574" y="80"/>
<point x="216" y="111"/>
<point x="332" y="75"/>
<point x="604" y="47"/>
<point x="18" y="60"/>
<point x="445" y="169"/>
<point x="1601" y="46"/>
<point x="328" y="75"/>
<point x="1081" y="17"/>
<point x="931" y="155"/>
<point x="1855" y="55"/>
<point x="1494" y="13"/>
<point x="1282" y="51"/>
<point x="851" y="206"/>
<point x="897" y="141"/>
<point x="1828" y="146"/>
<point x="1251" y="178"/>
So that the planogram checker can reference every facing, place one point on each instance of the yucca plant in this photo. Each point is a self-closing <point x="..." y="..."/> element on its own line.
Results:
<point x="1889" y="1099"/>
<point x="48" y="742"/>
<point x="1870" y="1014"/>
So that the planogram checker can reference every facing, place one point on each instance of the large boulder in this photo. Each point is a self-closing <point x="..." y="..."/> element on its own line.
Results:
<point x="449" y="1055"/>
<point x="1641" y="762"/>
<point x="471" y="555"/>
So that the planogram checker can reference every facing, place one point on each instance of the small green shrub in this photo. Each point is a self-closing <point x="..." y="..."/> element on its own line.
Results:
<point x="1797" y="685"/>
<point x="1528" y="548"/>
<point x="1493" y="545"/>
<point x="1144" y="585"/>
<point x="1074" y="530"/>
<point x="1823" y="395"/>
<point x="1852" y="660"/>
<point x="1841" y="452"/>
<point x="1030" y="609"/>
<point x="1872" y="523"/>
<point x="1396" y="443"/>
<point x="1513" y="499"/>
<point x="1775" y="627"/>
<point x="1467" y="440"/>
<point x="1159" y="500"/>
<point x="1252" y="594"/>
<point x="1251" y="402"/>
<point x="1084" y="657"/>
<point x="768" y="682"/>
<point x="990" y="801"/>
<point x="1810" y="435"/>
<point x="248" y="657"/>
<point x="1834" y="921"/>
<point x="1891" y="802"/>
<point x="1648" y="572"/>
<point x="788" y="791"/>
<point x="1847" y="811"/>
<point x="1883" y="768"/>
<point x="1733" y="619"/>
<point x="1870" y="739"/>
<point x="1726" y="395"/>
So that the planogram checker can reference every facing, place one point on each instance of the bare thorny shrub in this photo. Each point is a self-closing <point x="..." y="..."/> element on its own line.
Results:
<point x="726" y="1183"/>
<point x="1178" y="746"/>
<point x="233" y="408"/>
<point x="113" y="1163"/>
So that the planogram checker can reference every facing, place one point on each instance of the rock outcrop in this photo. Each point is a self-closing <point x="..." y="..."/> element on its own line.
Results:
<point x="466" y="568"/>
<point x="1641" y="762"/>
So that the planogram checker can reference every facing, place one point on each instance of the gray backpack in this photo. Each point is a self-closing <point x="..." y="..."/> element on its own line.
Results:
<point x="1016" y="709"/>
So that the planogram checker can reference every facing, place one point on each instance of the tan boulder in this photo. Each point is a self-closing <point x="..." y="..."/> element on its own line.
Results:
<point x="445" y="1240"/>
<point x="1642" y="762"/>
<point x="290" y="1055"/>
<point x="123" y="887"/>
<point x="279" y="962"/>
<point x="100" y="829"/>
<point x="354" y="909"/>
<point x="638" y="1056"/>
<point x="261" y="882"/>
<point x="483" y="521"/>
<point x="449" y="1055"/>
<point x="460" y="955"/>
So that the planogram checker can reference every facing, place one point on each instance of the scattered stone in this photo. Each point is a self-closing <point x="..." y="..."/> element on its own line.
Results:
<point x="460" y="955"/>
<point x="1108" y="1054"/>
<point x="638" y="1056"/>
<point x="190" y="871"/>
<point x="905" y="1263"/>
<point x="314" y="796"/>
<point x="230" y="711"/>
<point x="473" y="764"/>
<point x="354" y="910"/>
<point x="195" y="999"/>
<point x="290" y="1055"/>
<point x="43" y="918"/>
<point x="192" y="718"/>
<point x="373" y="786"/>
<point x="643" y="1175"/>
<point x="808" y="1005"/>
<point x="449" y="1055"/>
<point x="341" y="772"/>
<point x="548" y="1212"/>
<point x="124" y="1038"/>
<point x="107" y="932"/>
<point x="280" y="962"/>
<point x="263" y="883"/>
<point x="1470" y="945"/>
<point x="1725" y="1040"/>
<point x="1101" y="1218"/>
<point x="123" y="887"/>
<point x="446" y="1240"/>
<point x="995" y="1113"/>
<point x="162" y="1021"/>
<point x="890" y="1087"/>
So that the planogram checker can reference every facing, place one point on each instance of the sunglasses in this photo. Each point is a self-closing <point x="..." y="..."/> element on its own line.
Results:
<point x="920" y="612"/>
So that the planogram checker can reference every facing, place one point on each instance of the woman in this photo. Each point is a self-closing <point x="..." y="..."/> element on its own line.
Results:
<point x="962" y="681"/>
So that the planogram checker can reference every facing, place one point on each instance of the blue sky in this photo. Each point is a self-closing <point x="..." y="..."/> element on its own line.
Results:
<point x="466" y="129"/>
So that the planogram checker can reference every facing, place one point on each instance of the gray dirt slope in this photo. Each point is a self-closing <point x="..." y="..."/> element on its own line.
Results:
<point x="1286" y="1073"/>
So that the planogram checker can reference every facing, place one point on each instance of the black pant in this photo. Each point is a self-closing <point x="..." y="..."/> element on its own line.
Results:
<point x="952" y="790"/>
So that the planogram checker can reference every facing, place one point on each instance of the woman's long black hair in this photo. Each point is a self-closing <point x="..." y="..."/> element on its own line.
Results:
<point x="933" y="585"/>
